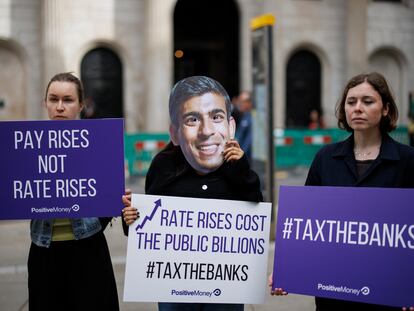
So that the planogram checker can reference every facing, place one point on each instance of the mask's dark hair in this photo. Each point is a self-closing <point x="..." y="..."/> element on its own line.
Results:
<point x="67" y="77"/>
<point x="190" y="87"/>
<point x="378" y="82"/>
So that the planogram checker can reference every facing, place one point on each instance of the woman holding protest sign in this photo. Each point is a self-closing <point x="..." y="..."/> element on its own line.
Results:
<point x="369" y="157"/>
<point x="69" y="264"/>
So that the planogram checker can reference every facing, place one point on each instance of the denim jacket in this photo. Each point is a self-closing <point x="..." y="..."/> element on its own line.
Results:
<point x="41" y="229"/>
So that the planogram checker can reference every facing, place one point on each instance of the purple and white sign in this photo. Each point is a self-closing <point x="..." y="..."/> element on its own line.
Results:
<point x="346" y="243"/>
<point x="197" y="250"/>
<point x="61" y="169"/>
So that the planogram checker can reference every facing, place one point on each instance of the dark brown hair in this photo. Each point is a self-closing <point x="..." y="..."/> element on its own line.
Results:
<point x="67" y="77"/>
<point x="378" y="82"/>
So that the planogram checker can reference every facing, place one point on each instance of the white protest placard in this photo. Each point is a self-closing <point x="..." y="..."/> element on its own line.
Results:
<point x="197" y="250"/>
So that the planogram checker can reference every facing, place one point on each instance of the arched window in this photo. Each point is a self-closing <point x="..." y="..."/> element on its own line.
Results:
<point x="101" y="74"/>
<point x="206" y="41"/>
<point x="303" y="88"/>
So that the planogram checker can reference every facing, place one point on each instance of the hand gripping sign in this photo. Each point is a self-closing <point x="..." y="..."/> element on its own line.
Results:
<point x="197" y="250"/>
<point x="55" y="169"/>
<point x="346" y="243"/>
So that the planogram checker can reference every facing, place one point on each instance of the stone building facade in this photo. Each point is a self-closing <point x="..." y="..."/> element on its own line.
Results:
<point x="341" y="37"/>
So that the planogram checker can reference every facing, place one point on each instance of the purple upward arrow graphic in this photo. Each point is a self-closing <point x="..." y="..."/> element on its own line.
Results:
<point x="149" y="218"/>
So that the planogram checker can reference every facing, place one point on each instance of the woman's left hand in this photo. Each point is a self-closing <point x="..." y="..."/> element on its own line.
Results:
<point x="232" y="151"/>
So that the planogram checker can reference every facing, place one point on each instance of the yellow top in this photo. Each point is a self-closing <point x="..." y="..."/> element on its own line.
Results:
<point x="62" y="230"/>
<point x="262" y="21"/>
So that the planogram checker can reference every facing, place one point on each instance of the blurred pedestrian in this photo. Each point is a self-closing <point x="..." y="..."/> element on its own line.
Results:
<point x="411" y="130"/>
<point x="244" y="134"/>
<point x="235" y="112"/>
<point x="411" y="118"/>
<point x="69" y="264"/>
<point x="315" y="120"/>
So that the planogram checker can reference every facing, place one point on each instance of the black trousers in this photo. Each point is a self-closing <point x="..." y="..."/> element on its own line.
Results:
<point x="325" y="304"/>
<point x="72" y="275"/>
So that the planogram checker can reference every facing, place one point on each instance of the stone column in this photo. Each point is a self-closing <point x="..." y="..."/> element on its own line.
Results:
<point x="53" y="37"/>
<point x="52" y="40"/>
<point x="356" y="37"/>
<point x="248" y="9"/>
<point x="159" y="63"/>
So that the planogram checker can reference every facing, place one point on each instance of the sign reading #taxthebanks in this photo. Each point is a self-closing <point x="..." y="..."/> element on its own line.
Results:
<point x="61" y="169"/>
<point x="197" y="250"/>
<point x="346" y="243"/>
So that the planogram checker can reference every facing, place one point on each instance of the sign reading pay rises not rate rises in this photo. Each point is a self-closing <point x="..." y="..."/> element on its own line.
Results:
<point x="61" y="168"/>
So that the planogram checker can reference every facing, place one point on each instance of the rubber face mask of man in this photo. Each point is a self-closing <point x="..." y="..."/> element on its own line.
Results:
<point x="203" y="131"/>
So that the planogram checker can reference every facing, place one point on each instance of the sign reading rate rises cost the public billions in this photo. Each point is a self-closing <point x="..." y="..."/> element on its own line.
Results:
<point x="61" y="169"/>
<point x="346" y="243"/>
<point x="197" y="250"/>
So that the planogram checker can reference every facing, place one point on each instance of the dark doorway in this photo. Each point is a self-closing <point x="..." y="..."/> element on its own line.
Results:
<point x="303" y="88"/>
<point x="206" y="41"/>
<point x="101" y="74"/>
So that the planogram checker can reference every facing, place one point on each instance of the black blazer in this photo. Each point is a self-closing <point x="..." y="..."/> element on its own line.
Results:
<point x="335" y="165"/>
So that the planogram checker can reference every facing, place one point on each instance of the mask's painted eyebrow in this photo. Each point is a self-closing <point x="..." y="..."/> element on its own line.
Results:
<point x="198" y="115"/>
<point x="216" y="111"/>
<point x="191" y="114"/>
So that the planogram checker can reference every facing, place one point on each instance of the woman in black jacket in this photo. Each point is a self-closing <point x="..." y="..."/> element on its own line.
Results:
<point x="369" y="157"/>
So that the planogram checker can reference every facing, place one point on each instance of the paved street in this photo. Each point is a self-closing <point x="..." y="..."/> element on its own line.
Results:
<point x="15" y="241"/>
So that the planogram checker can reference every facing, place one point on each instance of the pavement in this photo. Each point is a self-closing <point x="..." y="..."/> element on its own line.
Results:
<point x="15" y="242"/>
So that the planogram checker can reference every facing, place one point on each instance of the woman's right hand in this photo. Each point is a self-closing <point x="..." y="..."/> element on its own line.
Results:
<point x="129" y="213"/>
